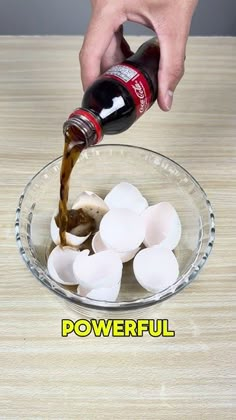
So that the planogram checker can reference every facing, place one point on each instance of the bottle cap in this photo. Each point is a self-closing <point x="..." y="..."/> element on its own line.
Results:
<point x="88" y="123"/>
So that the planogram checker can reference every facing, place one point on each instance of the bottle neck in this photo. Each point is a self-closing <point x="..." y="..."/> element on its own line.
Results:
<point x="87" y="124"/>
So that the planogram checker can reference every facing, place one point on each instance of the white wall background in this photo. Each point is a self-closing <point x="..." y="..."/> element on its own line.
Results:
<point x="69" y="17"/>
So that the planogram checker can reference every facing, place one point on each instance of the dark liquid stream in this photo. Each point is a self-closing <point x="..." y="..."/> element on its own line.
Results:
<point x="66" y="219"/>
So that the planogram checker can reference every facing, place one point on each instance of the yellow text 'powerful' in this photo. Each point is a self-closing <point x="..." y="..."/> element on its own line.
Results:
<point x="116" y="327"/>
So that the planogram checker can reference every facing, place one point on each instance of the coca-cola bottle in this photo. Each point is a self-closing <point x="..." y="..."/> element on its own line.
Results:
<point x="118" y="97"/>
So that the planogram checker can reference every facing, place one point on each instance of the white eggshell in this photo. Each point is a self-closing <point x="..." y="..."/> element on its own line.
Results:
<point x="122" y="230"/>
<point x="99" y="246"/>
<point x="109" y="294"/>
<point x="156" y="268"/>
<point x="100" y="270"/>
<point x="125" y="195"/>
<point x="70" y="238"/>
<point x="92" y="204"/>
<point x="163" y="226"/>
<point x="60" y="264"/>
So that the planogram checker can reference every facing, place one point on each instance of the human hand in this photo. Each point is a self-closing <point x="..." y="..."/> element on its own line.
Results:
<point x="104" y="44"/>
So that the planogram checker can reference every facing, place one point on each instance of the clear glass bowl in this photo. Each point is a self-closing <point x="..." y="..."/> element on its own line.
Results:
<point x="98" y="170"/>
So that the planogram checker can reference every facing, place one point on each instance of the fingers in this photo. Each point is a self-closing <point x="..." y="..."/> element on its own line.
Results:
<point x="113" y="53"/>
<point x="171" y="67"/>
<point x="117" y="51"/>
<point x="97" y="40"/>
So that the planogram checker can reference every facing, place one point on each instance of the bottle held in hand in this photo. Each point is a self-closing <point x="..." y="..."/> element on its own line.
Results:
<point x="119" y="96"/>
<point x="109" y="106"/>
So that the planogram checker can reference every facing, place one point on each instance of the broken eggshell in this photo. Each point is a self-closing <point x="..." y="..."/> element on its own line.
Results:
<point x="99" y="246"/>
<point x="60" y="264"/>
<point x="126" y="195"/>
<point x="122" y="230"/>
<point x="163" y="226"/>
<point x="71" y="239"/>
<point x="102" y="270"/>
<point x="156" y="268"/>
<point x="109" y="294"/>
<point x="93" y="205"/>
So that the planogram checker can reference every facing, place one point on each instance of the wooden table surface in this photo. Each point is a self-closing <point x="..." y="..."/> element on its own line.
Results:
<point x="192" y="375"/>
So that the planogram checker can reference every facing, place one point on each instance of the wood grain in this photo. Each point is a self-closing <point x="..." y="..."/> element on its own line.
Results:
<point x="45" y="376"/>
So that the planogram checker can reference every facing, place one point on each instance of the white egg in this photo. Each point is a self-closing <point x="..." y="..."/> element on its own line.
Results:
<point x="156" y="268"/>
<point x="109" y="294"/>
<point x="92" y="204"/>
<point x="71" y="239"/>
<point x="60" y="264"/>
<point x="163" y="226"/>
<point x="122" y="230"/>
<point x="100" y="270"/>
<point x="125" y="195"/>
<point x="99" y="246"/>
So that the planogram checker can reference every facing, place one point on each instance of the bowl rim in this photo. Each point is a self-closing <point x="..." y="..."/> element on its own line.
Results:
<point x="189" y="274"/>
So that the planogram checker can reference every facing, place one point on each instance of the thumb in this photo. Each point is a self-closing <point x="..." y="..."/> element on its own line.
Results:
<point x="171" y="68"/>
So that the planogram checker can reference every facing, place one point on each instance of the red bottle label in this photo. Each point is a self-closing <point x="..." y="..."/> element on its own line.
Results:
<point x="135" y="82"/>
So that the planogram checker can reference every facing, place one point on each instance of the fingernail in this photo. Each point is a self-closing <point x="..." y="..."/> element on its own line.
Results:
<point x="169" y="99"/>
